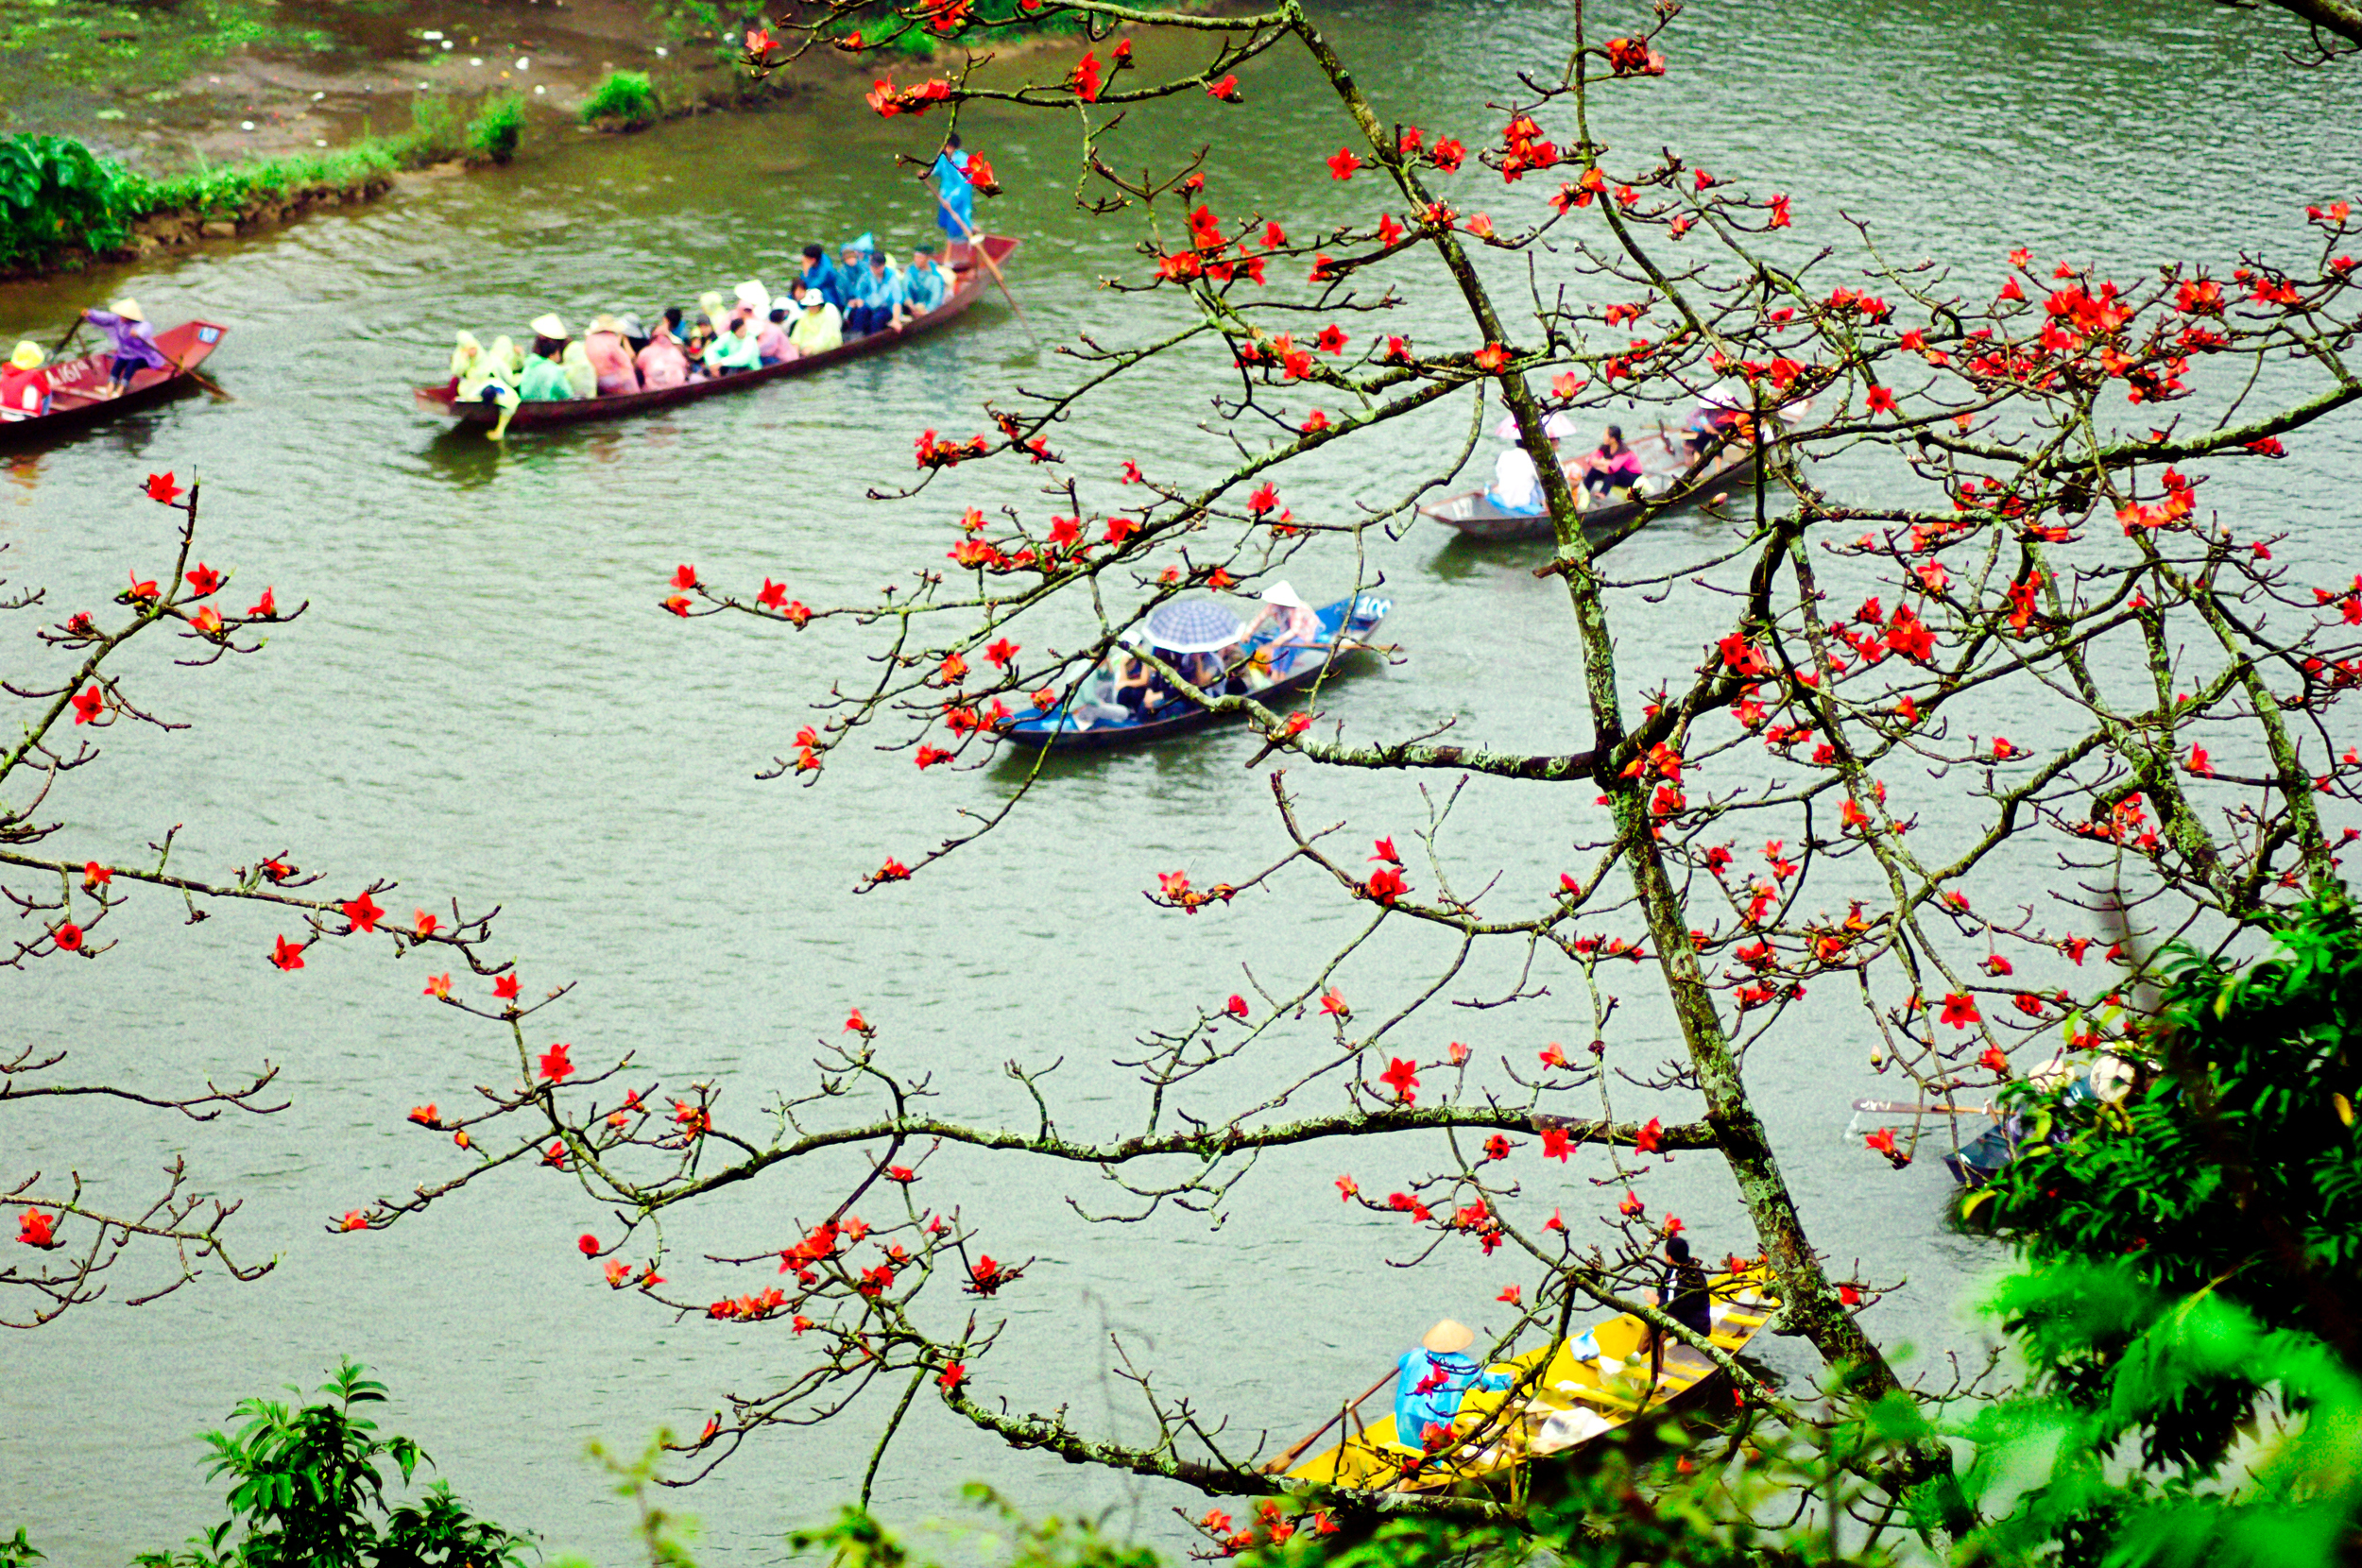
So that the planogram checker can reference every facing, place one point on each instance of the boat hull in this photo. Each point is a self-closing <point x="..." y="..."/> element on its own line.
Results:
<point x="74" y="405"/>
<point x="538" y="416"/>
<point x="1474" y="517"/>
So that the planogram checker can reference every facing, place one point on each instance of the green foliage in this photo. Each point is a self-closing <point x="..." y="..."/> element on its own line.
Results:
<point x="17" y="1552"/>
<point x="663" y="1534"/>
<point x="493" y="135"/>
<point x="625" y="98"/>
<point x="55" y="194"/>
<point x="2234" y="1169"/>
<point x="307" y="1489"/>
<point x="2297" y="1498"/>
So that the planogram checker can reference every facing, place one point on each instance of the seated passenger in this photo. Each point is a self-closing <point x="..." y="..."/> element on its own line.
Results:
<point x="25" y="386"/>
<point x="663" y="363"/>
<point x="1614" y="466"/>
<point x="635" y="336"/>
<point x="819" y="328"/>
<point x="879" y="304"/>
<point x="734" y="350"/>
<point x="819" y="274"/>
<point x="544" y="379"/>
<point x="771" y="342"/>
<point x="582" y="379"/>
<point x="1431" y="1379"/>
<point x="924" y="285"/>
<point x="480" y="375"/>
<point x="1516" y="484"/>
<point x="1285" y="620"/>
<point x="610" y="359"/>
<point x="1134" y="683"/>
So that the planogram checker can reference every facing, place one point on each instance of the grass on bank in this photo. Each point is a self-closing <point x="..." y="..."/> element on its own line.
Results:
<point x="626" y="100"/>
<point x="57" y="197"/>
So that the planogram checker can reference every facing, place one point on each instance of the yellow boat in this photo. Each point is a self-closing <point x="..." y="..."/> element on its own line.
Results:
<point x="1560" y="1397"/>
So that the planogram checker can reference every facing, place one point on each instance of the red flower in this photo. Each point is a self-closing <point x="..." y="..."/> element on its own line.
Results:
<point x="1226" y="90"/>
<point x="1993" y="1059"/>
<point x="1882" y="1141"/>
<point x="36" y="1229"/>
<point x="207" y="621"/>
<point x="774" y="595"/>
<point x="1556" y="1145"/>
<point x="354" y="1219"/>
<point x="999" y="654"/>
<point x="1403" y="1077"/>
<point x="437" y="986"/>
<point x="1881" y="400"/>
<point x="953" y="1376"/>
<point x="1265" y="499"/>
<point x="140" y="589"/>
<point x="1447" y="154"/>
<point x="1513" y="1295"/>
<point x="1491" y="357"/>
<point x="1235" y="1006"/>
<point x="1333" y="1004"/>
<point x="930" y="755"/>
<point x="1673" y="1225"/>
<point x="679" y="604"/>
<point x="901" y="1173"/>
<point x="1554" y="1055"/>
<point x="504" y="988"/>
<point x="555" y="1065"/>
<point x="1960" y="1011"/>
<point x="1332" y="339"/>
<point x="1347" y="1188"/>
<point x="203" y="580"/>
<point x="1649" y="1139"/>
<point x="1850" y="1296"/>
<point x="1084" y="78"/>
<point x="265" y="608"/>
<point x="286" y="954"/>
<point x="423" y="1115"/>
<point x="68" y="936"/>
<point x="590" y="1245"/>
<point x="96" y="876"/>
<point x="425" y="924"/>
<point x="364" y="913"/>
<point x="87" y="705"/>
<point x="857" y="1024"/>
<point x="1631" y="1207"/>
<point x="160" y="487"/>
<point x="1341" y="166"/>
<point x="1386" y="884"/>
<point x="684" y="576"/>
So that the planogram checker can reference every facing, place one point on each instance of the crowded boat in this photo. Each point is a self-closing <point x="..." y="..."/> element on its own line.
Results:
<point x="826" y="305"/>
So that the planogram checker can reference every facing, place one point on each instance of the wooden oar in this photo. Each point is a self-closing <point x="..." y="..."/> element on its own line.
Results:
<point x="976" y="249"/>
<point x="1279" y="1465"/>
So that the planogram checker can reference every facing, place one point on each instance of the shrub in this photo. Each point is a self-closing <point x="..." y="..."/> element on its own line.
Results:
<point x="55" y="194"/>
<point x="492" y="134"/>
<point x="627" y="99"/>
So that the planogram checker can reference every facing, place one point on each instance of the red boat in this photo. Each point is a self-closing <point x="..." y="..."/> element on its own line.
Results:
<point x="969" y="282"/>
<point x="77" y="397"/>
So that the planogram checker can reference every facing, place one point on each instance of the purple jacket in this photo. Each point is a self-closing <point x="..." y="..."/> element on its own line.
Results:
<point x="133" y="340"/>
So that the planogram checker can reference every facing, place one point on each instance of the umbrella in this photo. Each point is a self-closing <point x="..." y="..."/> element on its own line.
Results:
<point x="1558" y="427"/>
<point x="1193" y="626"/>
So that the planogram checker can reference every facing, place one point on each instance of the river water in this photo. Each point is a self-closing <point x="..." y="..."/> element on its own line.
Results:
<point x="485" y="700"/>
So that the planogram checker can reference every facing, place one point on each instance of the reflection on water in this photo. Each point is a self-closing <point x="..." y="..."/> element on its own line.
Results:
<point x="486" y="702"/>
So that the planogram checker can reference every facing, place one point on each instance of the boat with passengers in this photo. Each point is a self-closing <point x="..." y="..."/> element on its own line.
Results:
<point x="968" y="281"/>
<point x="1716" y="447"/>
<point x="80" y="394"/>
<point x="1285" y="648"/>
<point x="1554" y="1398"/>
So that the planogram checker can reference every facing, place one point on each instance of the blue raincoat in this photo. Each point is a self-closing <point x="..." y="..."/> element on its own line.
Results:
<point x="1448" y="1378"/>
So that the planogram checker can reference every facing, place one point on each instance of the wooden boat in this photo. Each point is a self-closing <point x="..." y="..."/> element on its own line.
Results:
<point x="1671" y="478"/>
<point x="1563" y="1396"/>
<point x="1078" y="723"/>
<point x="78" y="386"/>
<point x="969" y="284"/>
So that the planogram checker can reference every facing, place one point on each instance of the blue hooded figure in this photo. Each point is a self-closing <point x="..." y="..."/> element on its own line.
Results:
<point x="1432" y="1378"/>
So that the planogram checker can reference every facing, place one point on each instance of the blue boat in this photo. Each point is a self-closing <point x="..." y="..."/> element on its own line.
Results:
<point x="1259" y="665"/>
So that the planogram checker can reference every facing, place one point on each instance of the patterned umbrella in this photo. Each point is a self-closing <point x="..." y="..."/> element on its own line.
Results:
<point x="1193" y="626"/>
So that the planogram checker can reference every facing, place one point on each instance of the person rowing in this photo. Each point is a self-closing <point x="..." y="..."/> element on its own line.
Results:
<point x="1432" y="1380"/>
<point x="131" y="341"/>
<point x="955" y="197"/>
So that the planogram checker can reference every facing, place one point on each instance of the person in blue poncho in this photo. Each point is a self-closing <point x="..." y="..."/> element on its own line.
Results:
<point x="956" y="212"/>
<point x="878" y="301"/>
<point x="820" y="274"/>
<point x="1432" y="1378"/>
<point x="923" y="286"/>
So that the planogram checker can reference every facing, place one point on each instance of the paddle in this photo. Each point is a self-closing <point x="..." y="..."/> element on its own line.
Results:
<point x="976" y="249"/>
<point x="1279" y="1465"/>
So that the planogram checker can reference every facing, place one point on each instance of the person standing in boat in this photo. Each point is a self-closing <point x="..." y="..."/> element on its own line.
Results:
<point x="1431" y="1379"/>
<point x="1682" y="1295"/>
<point x="956" y="198"/>
<point x="23" y="384"/>
<point x="131" y="341"/>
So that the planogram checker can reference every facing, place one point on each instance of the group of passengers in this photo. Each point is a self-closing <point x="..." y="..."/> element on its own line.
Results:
<point x="1613" y="466"/>
<point x="1260" y="654"/>
<point x="826" y="303"/>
